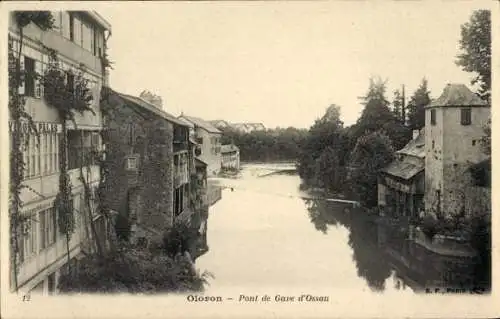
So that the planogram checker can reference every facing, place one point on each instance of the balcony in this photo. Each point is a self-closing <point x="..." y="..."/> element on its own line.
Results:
<point x="180" y="146"/>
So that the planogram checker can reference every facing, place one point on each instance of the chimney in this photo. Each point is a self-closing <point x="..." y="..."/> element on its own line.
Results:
<point x="415" y="134"/>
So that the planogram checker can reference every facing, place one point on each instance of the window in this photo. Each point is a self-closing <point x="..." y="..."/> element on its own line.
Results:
<point x="82" y="145"/>
<point x="71" y="27"/>
<point x="433" y="144"/>
<point x="29" y="233"/>
<point x="465" y="116"/>
<point x="473" y="142"/>
<point x="132" y="163"/>
<point x="433" y="117"/>
<point x="48" y="227"/>
<point x="30" y="75"/>
<point x="31" y="156"/>
<point x="70" y="81"/>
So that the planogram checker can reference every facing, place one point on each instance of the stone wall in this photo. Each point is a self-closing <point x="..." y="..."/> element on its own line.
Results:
<point x="147" y="191"/>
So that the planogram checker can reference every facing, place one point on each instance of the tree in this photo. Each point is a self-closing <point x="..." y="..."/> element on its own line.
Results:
<point x="371" y="153"/>
<point x="376" y="115"/>
<point x="397" y="106"/>
<point x="152" y="98"/>
<point x="475" y="44"/>
<point x="486" y="139"/>
<point x="327" y="131"/>
<point x="416" y="106"/>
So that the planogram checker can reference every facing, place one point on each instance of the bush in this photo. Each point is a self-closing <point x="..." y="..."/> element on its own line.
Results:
<point x="179" y="239"/>
<point x="429" y="226"/>
<point x="133" y="270"/>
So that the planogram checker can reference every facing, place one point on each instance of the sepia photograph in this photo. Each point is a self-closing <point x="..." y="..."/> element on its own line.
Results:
<point x="269" y="155"/>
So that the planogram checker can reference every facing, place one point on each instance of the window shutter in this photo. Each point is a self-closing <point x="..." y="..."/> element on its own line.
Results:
<point x="22" y="83"/>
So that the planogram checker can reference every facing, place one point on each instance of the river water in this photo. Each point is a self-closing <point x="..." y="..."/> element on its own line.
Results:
<point x="263" y="234"/>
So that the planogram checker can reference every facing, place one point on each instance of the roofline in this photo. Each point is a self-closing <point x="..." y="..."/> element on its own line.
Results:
<point x="99" y="19"/>
<point x="157" y="112"/>
<point x="456" y="106"/>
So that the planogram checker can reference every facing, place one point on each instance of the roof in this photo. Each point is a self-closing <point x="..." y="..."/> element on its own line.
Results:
<point x="415" y="147"/>
<point x="201" y="123"/>
<point x="457" y="95"/>
<point x="192" y="141"/>
<point x="199" y="161"/>
<point x="404" y="169"/>
<point x="228" y="148"/>
<point x="151" y="108"/>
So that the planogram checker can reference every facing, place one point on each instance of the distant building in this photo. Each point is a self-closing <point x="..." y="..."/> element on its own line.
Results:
<point x="208" y="138"/>
<point x="248" y="127"/>
<point x="220" y="124"/>
<point x="230" y="156"/>
<point x="454" y="126"/>
<point x="401" y="183"/>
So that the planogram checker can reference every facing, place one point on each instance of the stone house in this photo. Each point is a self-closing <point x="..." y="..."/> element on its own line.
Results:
<point x="401" y="183"/>
<point x="454" y="126"/>
<point x="147" y="158"/>
<point x="208" y="138"/>
<point x="78" y="37"/>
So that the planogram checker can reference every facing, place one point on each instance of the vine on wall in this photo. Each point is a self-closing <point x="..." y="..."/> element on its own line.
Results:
<point x="68" y="92"/>
<point x="18" y="114"/>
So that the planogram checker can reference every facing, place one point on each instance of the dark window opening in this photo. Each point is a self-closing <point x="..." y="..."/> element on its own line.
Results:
<point x="70" y="79"/>
<point x="433" y="117"/>
<point x="71" y="27"/>
<point x="29" y="80"/>
<point x="465" y="116"/>
<point x="82" y="148"/>
<point x="473" y="142"/>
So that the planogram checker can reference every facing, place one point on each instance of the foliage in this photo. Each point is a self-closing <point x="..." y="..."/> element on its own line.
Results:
<point x="17" y="114"/>
<point x="67" y="97"/>
<point x="475" y="44"/>
<point x="131" y="269"/>
<point x="376" y="115"/>
<point x="43" y="19"/>
<point x="330" y="174"/>
<point x="486" y="139"/>
<point x="371" y="153"/>
<point x="398" y="106"/>
<point x="152" y="98"/>
<point x="264" y="146"/>
<point x="416" y="106"/>
<point x="326" y="135"/>
<point x="180" y="238"/>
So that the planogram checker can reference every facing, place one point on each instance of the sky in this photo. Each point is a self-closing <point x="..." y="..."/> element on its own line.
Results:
<point x="282" y="63"/>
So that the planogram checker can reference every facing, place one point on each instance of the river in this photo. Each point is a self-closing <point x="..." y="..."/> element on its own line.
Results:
<point x="263" y="234"/>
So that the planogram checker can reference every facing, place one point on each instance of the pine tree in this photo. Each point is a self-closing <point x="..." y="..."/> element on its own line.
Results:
<point x="416" y="106"/>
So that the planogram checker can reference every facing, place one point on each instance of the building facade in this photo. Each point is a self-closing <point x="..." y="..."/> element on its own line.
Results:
<point x="78" y="39"/>
<point x="454" y="126"/>
<point x="230" y="157"/>
<point x="148" y="164"/>
<point x="401" y="183"/>
<point x="208" y="138"/>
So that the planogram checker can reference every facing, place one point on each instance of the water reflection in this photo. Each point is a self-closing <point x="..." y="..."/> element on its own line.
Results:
<point x="264" y="233"/>
<point x="363" y="238"/>
<point x="382" y="251"/>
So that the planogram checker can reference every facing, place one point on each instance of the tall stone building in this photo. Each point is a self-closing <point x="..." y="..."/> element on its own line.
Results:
<point x="454" y="126"/>
<point x="148" y="163"/>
